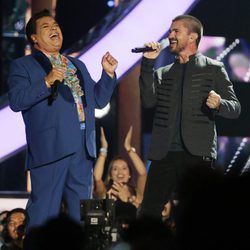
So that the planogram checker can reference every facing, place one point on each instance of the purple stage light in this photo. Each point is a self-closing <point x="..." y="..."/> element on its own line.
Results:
<point x="12" y="132"/>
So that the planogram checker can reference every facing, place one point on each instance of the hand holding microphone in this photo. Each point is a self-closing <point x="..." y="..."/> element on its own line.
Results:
<point x="56" y="74"/>
<point x="53" y="79"/>
<point x="152" y="49"/>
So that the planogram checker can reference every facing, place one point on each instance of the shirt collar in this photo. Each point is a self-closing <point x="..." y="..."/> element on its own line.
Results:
<point x="191" y="57"/>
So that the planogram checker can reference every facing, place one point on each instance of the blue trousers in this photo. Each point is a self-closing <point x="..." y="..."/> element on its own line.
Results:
<point x="69" y="179"/>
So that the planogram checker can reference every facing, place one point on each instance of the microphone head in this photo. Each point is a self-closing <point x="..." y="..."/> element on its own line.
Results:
<point x="164" y="43"/>
<point x="143" y="49"/>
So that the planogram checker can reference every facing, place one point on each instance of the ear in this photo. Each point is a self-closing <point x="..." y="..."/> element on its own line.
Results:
<point x="33" y="37"/>
<point x="193" y="36"/>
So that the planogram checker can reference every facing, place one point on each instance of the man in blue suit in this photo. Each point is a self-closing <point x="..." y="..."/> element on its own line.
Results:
<point x="57" y="98"/>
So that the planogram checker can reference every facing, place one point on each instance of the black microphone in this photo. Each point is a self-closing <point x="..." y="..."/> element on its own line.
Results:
<point x="54" y="89"/>
<point x="142" y="49"/>
<point x="164" y="43"/>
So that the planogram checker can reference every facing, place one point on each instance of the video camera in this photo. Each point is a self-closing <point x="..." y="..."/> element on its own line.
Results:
<point x="98" y="217"/>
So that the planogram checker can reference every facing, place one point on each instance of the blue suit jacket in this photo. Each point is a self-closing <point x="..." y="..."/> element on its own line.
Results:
<point x="52" y="131"/>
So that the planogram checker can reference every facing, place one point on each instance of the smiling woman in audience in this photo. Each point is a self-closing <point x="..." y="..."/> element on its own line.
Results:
<point x="119" y="184"/>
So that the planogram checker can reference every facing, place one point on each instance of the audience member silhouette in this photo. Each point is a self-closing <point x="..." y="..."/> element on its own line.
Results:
<point x="58" y="233"/>
<point x="149" y="233"/>
<point x="213" y="211"/>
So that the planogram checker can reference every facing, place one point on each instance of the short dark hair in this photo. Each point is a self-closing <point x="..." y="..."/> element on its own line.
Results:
<point x="31" y="25"/>
<point x="193" y="24"/>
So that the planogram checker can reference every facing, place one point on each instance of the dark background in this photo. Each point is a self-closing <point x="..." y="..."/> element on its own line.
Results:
<point x="229" y="18"/>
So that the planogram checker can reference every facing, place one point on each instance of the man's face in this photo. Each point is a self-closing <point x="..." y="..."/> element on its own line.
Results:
<point x="179" y="36"/>
<point x="16" y="220"/>
<point x="48" y="37"/>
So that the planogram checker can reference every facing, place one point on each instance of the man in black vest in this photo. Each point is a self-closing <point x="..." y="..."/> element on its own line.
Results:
<point x="187" y="95"/>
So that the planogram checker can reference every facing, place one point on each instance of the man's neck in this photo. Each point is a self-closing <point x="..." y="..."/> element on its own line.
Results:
<point x="51" y="54"/>
<point x="184" y="55"/>
<point x="48" y="54"/>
